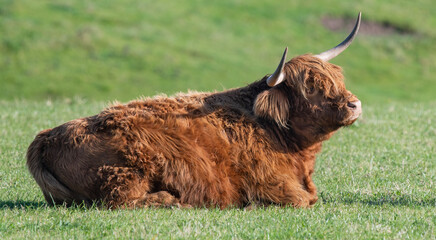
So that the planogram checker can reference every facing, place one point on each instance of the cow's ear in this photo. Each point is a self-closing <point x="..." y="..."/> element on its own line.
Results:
<point x="272" y="104"/>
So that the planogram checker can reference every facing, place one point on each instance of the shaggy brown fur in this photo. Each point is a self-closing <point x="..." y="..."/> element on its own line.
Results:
<point x="254" y="144"/>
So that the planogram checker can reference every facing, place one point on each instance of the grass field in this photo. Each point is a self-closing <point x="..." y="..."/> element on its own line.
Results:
<point x="376" y="179"/>
<point x="60" y="60"/>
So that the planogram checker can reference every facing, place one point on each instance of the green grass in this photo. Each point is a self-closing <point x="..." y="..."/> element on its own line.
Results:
<point x="109" y="50"/>
<point x="376" y="179"/>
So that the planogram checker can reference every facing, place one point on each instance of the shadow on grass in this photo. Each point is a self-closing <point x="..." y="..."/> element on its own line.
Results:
<point x="377" y="199"/>
<point x="20" y="204"/>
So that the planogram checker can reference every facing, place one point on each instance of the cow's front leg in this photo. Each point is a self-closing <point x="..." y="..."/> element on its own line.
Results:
<point x="298" y="198"/>
<point x="310" y="188"/>
<point x="290" y="193"/>
<point x="159" y="199"/>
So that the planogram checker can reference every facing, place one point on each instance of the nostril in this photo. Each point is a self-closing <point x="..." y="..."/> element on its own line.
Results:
<point x="351" y="105"/>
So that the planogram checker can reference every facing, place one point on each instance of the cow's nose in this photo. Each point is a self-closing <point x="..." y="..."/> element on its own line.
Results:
<point x="351" y="105"/>
<point x="355" y="106"/>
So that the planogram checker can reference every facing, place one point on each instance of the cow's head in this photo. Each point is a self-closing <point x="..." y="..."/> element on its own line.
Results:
<point x="308" y="94"/>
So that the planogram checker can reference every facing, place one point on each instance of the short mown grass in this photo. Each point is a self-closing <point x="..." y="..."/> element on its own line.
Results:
<point x="376" y="179"/>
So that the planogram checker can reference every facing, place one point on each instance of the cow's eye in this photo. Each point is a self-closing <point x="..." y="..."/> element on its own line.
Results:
<point x="311" y="91"/>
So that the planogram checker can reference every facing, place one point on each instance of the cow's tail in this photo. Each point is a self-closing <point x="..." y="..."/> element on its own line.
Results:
<point x="54" y="191"/>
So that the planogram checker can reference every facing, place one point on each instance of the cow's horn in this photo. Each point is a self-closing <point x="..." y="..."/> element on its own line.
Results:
<point x="329" y="54"/>
<point x="278" y="76"/>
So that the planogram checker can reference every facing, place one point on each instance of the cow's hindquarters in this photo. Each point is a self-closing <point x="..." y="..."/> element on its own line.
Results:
<point x="65" y="161"/>
<point x="54" y="191"/>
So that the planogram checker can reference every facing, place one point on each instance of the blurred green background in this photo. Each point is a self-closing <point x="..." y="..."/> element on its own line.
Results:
<point x="121" y="50"/>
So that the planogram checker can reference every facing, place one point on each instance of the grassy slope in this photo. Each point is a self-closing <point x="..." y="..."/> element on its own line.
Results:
<point x="375" y="179"/>
<point x="109" y="50"/>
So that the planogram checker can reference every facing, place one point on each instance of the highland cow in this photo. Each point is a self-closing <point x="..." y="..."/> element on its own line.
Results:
<point x="255" y="144"/>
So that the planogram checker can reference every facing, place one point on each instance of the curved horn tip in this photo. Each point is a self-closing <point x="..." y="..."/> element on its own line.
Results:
<point x="278" y="75"/>
<point x="330" y="54"/>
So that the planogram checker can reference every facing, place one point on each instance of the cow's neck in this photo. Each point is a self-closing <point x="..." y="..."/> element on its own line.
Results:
<point x="291" y="139"/>
<point x="242" y="100"/>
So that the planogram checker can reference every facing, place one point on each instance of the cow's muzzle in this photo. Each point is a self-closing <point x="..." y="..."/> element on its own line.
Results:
<point x="356" y="108"/>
